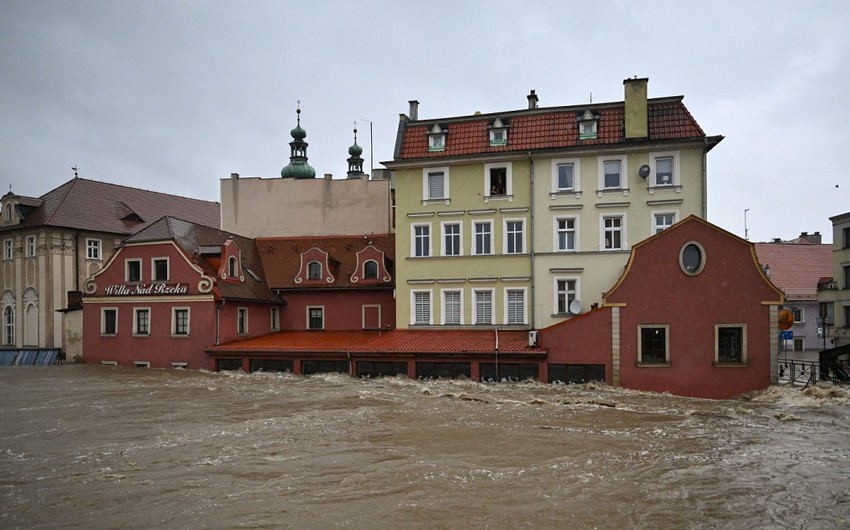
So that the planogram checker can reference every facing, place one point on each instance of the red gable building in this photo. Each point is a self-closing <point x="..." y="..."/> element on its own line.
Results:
<point x="693" y="315"/>
<point x="170" y="291"/>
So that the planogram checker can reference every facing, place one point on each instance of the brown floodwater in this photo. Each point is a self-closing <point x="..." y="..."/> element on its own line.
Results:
<point x="96" y="447"/>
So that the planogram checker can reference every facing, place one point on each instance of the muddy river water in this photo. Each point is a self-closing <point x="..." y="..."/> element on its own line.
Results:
<point x="96" y="447"/>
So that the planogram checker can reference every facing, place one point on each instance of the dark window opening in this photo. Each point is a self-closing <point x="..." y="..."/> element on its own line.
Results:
<point x="576" y="373"/>
<point x="509" y="372"/>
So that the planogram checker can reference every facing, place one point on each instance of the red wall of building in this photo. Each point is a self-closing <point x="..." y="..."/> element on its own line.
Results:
<point x="585" y="339"/>
<point x="729" y="290"/>
<point x="210" y="320"/>
<point x="342" y="309"/>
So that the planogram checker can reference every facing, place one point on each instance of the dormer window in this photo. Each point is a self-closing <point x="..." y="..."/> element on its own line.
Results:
<point x="498" y="133"/>
<point x="8" y="213"/>
<point x="437" y="138"/>
<point x="587" y="128"/>
<point x="232" y="267"/>
<point x="314" y="270"/>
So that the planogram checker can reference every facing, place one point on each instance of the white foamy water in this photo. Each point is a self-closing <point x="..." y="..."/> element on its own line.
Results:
<point x="94" y="447"/>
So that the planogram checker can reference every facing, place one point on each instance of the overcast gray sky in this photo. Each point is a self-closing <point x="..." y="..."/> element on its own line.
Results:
<point x="173" y="96"/>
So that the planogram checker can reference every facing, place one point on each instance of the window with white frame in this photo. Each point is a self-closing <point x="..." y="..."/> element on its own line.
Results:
<point x="435" y="184"/>
<point x="565" y="234"/>
<point x="437" y="138"/>
<point x="451" y="239"/>
<point x="133" y="270"/>
<point x="799" y="314"/>
<point x="7" y="249"/>
<point x="587" y="130"/>
<point x="498" y="133"/>
<point x="565" y="178"/>
<point x="663" y="221"/>
<point x="421" y="310"/>
<point x="653" y="344"/>
<point x="180" y="321"/>
<point x="514" y="236"/>
<point x="566" y="290"/>
<point x="483" y="306"/>
<point x="452" y="307"/>
<point x="613" y="233"/>
<point x="730" y="343"/>
<point x="233" y="267"/>
<point x="141" y="321"/>
<point x="159" y="269"/>
<point x="498" y="179"/>
<point x="93" y="249"/>
<point x="665" y="168"/>
<point x="612" y="172"/>
<point x="315" y="317"/>
<point x="483" y="243"/>
<point x="30" y="247"/>
<point x="274" y="315"/>
<point x="242" y="321"/>
<point x="421" y="234"/>
<point x="515" y="306"/>
<point x="109" y="321"/>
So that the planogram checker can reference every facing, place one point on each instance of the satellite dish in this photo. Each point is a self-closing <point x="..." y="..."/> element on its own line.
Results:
<point x="643" y="171"/>
<point x="575" y="307"/>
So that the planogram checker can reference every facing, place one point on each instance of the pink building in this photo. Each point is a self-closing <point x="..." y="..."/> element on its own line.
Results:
<point x="170" y="291"/>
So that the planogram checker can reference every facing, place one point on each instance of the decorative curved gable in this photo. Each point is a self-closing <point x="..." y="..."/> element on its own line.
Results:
<point x="231" y="262"/>
<point x="365" y="258"/>
<point x="309" y="260"/>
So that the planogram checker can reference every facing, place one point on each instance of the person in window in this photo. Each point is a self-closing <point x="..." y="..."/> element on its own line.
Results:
<point x="498" y="187"/>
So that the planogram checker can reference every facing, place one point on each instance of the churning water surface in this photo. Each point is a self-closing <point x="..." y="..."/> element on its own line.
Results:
<point x="95" y="447"/>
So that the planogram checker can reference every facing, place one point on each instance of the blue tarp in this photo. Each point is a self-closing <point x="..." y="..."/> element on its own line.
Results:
<point x="29" y="357"/>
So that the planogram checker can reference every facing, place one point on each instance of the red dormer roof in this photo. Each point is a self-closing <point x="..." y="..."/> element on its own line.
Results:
<point x="282" y="260"/>
<point x="542" y="129"/>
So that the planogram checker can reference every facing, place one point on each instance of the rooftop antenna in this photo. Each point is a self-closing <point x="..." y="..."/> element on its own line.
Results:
<point x="591" y="97"/>
<point x="746" y="232"/>
<point x="74" y="167"/>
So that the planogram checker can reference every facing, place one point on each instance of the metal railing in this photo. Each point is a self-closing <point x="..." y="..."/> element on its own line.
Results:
<point x="807" y="373"/>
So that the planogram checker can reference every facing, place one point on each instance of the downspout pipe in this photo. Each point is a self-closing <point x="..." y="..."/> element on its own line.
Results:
<point x="531" y="243"/>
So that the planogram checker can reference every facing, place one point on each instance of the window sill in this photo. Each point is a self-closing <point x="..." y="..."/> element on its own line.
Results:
<point x="565" y="193"/>
<point x="107" y="335"/>
<point x="731" y="365"/>
<point x="611" y="191"/>
<point x="142" y="335"/>
<point x="179" y="335"/>
<point x="664" y="188"/>
<point x="502" y="197"/>
<point x="653" y="365"/>
<point x="446" y="201"/>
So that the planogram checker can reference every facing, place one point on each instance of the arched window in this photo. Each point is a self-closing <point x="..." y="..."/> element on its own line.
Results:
<point x="370" y="270"/>
<point x="9" y="326"/>
<point x="314" y="270"/>
<point x="232" y="269"/>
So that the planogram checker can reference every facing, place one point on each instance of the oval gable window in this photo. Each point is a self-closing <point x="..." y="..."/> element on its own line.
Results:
<point x="692" y="258"/>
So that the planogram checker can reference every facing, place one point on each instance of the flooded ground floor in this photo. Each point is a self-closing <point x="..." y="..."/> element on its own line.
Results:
<point x="90" y="446"/>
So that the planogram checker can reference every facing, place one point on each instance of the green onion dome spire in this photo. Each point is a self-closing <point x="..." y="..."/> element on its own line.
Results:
<point x="298" y="167"/>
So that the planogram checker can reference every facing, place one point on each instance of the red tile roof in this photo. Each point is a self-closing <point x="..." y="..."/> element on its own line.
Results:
<point x="298" y="341"/>
<point x="281" y="258"/>
<point x="449" y="341"/>
<point x="192" y="236"/>
<point x="395" y="341"/>
<point x="796" y="268"/>
<point x="539" y="129"/>
<point x="84" y="204"/>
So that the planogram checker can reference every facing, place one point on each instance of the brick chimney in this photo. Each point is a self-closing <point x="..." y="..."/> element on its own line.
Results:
<point x="636" y="117"/>
<point x="532" y="100"/>
<point x="815" y="238"/>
